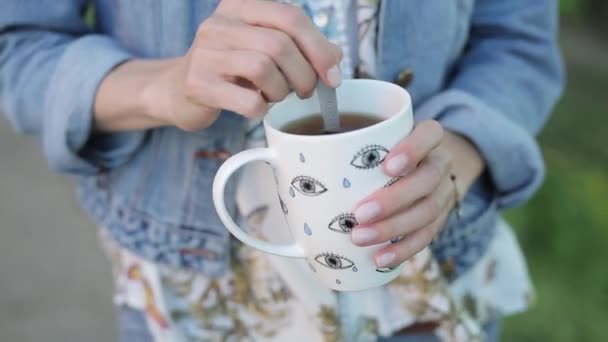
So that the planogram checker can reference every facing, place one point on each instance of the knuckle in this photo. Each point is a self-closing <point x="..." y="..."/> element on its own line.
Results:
<point x="259" y="67"/>
<point x="198" y="58"/>
<point x="192" y="88"/>
<point x="283" y="94"/>
<point x="431" y="209"/>
<point x="294" y="17"/>
<point x="207" y="26"/>
<point x="190" y="122"/>
<point x="308" y="86"/>
<point x="434" y="174"/>
<point x="253" y="106"/>
<point x="339" y="52"/>
<point x="435" y="126"/>
<point x="279" y="45"/>
<point x="278" y="96"/>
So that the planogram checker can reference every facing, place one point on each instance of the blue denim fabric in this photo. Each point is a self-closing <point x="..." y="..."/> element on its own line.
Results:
<point x="488" y="69"/>
<point x="132" y="326"/>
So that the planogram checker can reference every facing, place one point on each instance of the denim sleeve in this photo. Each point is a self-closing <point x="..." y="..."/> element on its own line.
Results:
<point x="50" y="67"/>
<point x="503" y="89"/>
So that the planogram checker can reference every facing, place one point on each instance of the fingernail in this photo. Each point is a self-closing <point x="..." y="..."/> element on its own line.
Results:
<point x="362" y="236"/>
<point x="334" y="76"/>
<point x="396" y="165"/>
<point x="367" y="212"/>
<point x="385" y="259"/>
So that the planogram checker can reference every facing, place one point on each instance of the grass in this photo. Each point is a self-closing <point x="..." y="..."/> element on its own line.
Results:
<point x="564" y="229"/>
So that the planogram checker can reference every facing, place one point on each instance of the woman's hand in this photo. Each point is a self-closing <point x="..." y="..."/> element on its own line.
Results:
<point x="416" y="207"/>
<point x="248" y="54"/>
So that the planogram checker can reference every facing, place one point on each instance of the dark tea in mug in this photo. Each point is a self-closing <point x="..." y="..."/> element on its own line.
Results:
<point x="313" y="124"/>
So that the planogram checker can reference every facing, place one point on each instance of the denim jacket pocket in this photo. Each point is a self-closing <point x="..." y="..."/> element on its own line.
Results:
<point x="160" y="205"/>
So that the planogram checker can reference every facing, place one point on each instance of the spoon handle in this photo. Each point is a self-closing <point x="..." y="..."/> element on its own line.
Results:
<point x="329" y="107"/>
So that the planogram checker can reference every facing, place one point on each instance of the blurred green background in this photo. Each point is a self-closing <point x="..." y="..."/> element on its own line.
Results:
<point x="564" y="229"/>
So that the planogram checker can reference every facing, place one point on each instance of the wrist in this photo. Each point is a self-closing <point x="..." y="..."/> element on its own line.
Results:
<point x="468" y="163"/>
<point x="127" y="98"/>
<point x="155" y="89"/>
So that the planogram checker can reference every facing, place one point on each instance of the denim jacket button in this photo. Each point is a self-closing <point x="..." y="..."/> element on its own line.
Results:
<point x="360" y="73"/>
<point x="405" y="78"/>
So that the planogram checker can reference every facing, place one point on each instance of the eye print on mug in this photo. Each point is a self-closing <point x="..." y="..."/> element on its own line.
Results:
<point x="385" y="269"/>
<point x="308" y="186"/>
<point x="334" y="261"/>
<point x="369" y="157"/>
<point x="343" y="223"/>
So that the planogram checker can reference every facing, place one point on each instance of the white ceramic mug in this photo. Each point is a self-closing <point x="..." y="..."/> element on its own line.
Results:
<point x="321" y="177"/>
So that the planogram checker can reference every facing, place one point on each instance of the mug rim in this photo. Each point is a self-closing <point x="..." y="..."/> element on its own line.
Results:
<point x="407" y="105"/>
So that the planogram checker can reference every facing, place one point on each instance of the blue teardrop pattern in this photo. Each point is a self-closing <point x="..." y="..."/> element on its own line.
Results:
<point x="291" y="192"/>
<point x="346" y="183"/>
<point x="307" y="229"/>
<point x="355" y="269"/>
<point x="302" y="159"/>
<point x="338" y="281"/>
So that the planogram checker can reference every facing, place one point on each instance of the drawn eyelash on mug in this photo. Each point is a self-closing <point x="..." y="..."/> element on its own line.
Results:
<point x="334" y="261"/>
<point x="385" y="269"/>
<point x="369" y="157"/>
<point x="392" y="181"/>
<point x="343" y="223"/>
<point x="283" y="206"/>
<point x="308" y="186"/>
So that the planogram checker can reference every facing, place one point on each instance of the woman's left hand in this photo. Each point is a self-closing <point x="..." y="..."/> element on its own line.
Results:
<point x="416" y="206"/>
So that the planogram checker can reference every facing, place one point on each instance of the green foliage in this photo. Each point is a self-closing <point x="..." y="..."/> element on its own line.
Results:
<point x="570" y="7"/>
<point x="89" y="15"/>
<point x="564" y="229"/>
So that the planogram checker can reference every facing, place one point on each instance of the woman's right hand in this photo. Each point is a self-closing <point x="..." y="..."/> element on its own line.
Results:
<point x="248" y="54"/>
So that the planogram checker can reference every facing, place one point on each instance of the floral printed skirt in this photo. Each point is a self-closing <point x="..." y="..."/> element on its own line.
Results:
<point x="269" y="298"/>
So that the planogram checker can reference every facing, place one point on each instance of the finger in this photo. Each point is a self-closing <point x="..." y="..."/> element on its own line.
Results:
<point x="275" y="44"/>
<point x="404" y="157"/>
<point x="322" y="54"/>
<point x="387" y="202"/>
<point x="418" y="216"/>
<point x="411" y="244"/>
<point x="253" y="66"/>
<point x="219" y="93"/>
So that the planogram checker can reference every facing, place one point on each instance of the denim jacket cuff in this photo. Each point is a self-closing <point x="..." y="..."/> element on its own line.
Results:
<point x="79" y="71"/>
<point x="513" y="158"/>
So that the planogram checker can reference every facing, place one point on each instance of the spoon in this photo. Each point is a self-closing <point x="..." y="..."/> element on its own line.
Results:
<point x="328" y="103"/>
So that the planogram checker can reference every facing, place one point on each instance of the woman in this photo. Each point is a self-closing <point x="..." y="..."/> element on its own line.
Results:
<point x="144" y="107"/>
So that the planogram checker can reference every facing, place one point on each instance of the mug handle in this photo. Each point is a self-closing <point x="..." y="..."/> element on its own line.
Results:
<point x="228" y="168"/>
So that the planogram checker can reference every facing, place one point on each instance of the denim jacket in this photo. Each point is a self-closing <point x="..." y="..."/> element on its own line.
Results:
<point x="487" y="69"/>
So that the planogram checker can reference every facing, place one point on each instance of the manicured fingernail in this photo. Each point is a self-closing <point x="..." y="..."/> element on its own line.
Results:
<point x="362" y="236"/>
<point x="334" y="76"/>
<point x="396" y="165"/>
<point x="367" y="212"/>
<point x="385" y="259"/>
